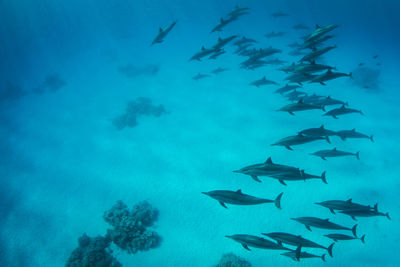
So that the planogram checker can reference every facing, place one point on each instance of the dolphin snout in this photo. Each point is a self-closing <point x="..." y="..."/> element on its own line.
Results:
<point x="205" y="193"/>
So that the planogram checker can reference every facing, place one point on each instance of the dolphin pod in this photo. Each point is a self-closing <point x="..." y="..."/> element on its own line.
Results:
<point x="307" y="68"/>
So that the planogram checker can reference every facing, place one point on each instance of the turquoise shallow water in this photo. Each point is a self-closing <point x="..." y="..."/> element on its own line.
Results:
<point x="64" y="163"/>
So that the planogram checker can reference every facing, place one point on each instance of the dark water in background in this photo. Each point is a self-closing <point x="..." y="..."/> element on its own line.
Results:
<point x="63" y="163"/>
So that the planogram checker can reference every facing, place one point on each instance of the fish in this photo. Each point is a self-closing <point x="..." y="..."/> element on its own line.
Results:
<point x="219" y="70"/>
<point x="256" y="242"/>
<point x="163" y="33"/>
<point x="299" y="106"/>
<point x="295" y="176"/>
<point x="298" y="139"/>
<point x="333" y="205"/>
<point x="320" y="131"/>
<point x="337" y="237"/>
<point x="296" y="240"/>
<point x="310" y="57"/>
<point x="267" y="168"/>
<point x="353" y="213"/>
<point x="238" y="198"/>
<point x="278" y="14"/>
<point x="300" y="27"/>
<point x="344" y="134"/>
<point x="263" y="81"/>
<point x="323" y="224"/>
<point x="200" y="76"/>
<point x="341" y="111"/>
<point x="329" y="75"/>
<point x="303" y="255"/>
<point x="287" y="88"/>
<point x="274" y="34"/>
<point x="329" y="153"/>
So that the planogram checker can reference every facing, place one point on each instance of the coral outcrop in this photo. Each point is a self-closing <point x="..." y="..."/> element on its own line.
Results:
<point x="92" y="252"/>
<point x="130" y="231"/>
<point x="231" y="260"/>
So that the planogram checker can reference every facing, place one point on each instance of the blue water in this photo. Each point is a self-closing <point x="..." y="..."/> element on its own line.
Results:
<point x="63" y="162"/>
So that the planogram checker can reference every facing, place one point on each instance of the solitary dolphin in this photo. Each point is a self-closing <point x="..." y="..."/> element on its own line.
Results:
<point x="299" y="106"/>
<point x="162" y="33"/>
<point x="341" y="111"/>
<point x="333" y="205"/>
<point x="337" y="237"/>
<point x="296" y="240"/>
<point x="303" y="255"/>
<point x="238" y="198"/>
<point x="257" y="242"/>
<point x="353" y="213"/>
<point x="298" y="140"/>
<point x="219" y="70"/>
<point x="323" y="154"/>
<point x="263" y="81"/>
<point x="321" y="131"/>
<point x="323" y="224"/>
<point x="353" y="134"/>
<point x="274" y="34"/>
<point x="267" y="168"/>
<point x="200" y="76"/>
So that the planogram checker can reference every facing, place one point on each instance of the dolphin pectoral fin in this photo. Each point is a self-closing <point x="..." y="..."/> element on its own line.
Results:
<point x="308" y="227"/>
<point x="256" y="178"/>
<point x="322" y="83"/>
<point x="289" y="148"/>
<point x="354" y="218"/>
<point x="335" y="117"/>
<point x="223" y="204"/>
<point x="246" y="247"/>
<point x="279" y="243"/>
<point x="291" y="113"/>
<point x="323" y="158"/>
<point x="332" y="211"/>
<point x="282" y="182"/>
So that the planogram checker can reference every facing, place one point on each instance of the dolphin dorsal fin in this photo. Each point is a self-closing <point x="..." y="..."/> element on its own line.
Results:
<point x="239" y="191"/>
<point x="322" y="126"/>
<point x="327" y="220"/>
<point x="203" y="48"/>
<point x="299" y="134"/>
<point x="300" y="101"/>
<point x="313" y="62"/>
<point x="293" y="64"/>
<point x="329" y="97"/>
<point x="219" y="39"/>
<point x="264" y="78"/>
<point x="329" y="71"/>
<point x="222" y="20"/>
<point x="269" y="161"/>
<point x="317" y="26"/>
<point x="349" y="200"/>
<point x="353" y="130"/>
<point x="334" y="149"/>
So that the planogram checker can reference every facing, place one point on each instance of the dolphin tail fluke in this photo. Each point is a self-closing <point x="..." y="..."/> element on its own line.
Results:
<point x="323" y="257"/>
<point x="388" y="216"/>
<point x="342" y="137"/>
<point x="358" y="155"/>
<point x="330" y="249"/>
<point x="255" y="178"/>
<point x="372" y="138"/>
<point x="354" y="230"/>
<point x="363" y="239"/>
<point x="278" y="201"/>
<point x="298" y="252"/>
<point x="323" y="177"/>
<point x="351" y="75"/>
<point x="246" y="247"/>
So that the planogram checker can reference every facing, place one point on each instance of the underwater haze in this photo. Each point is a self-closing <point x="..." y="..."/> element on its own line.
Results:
<point x="106" y="101"/>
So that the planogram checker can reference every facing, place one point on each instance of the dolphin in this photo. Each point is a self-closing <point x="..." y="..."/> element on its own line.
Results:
<point x="329" y="101"/>
<point x="299" y="106"/>
<point x="341" y="111"/>
<point x="337" y="237"/>
<point x="242" y="48"/>
<point x="313" y="67"/>
<point x="303" y="255"/>
<point x="238" y="10"/>
<point x="296" y="240"/>
<point x="323" y="224"/>
<point x="238" y="198"/>
<point x="200" y="76"/>
<point x="298" y="176"/>
<point x="275" y="62"/>
<point x="274" y="34"/>
<point x="316" y="53"/>
<point x="263" y="81"/>
<point x="329" y="75"/>
<point x="300" y="77"/>
<point x="294" y="45"/>
<point x="319" y="31"/>
<point x="202" y="53"/>
<point x="288" y="68"/>
<point x="298" y="139"/>
<point x="321" y="131"/>
<point x="353" y="213"/>
<point x="257" y="242"/>
<point x="244" y="40"/>
<point x="329" y="153"/>
<point x="222" y="23"/>
<point x="295" y="94"/>
<point x="219" y="70"/>
<point x="217" y="53"/>
<point x="223" y="41"/>
<point x="317" y="42"/>
<point x="286" y="88"/>
<point x="163" y="33"/>
<point x="333" y="205"/>
<point x="344" y="134"/>
<point x="267" y="168"/>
